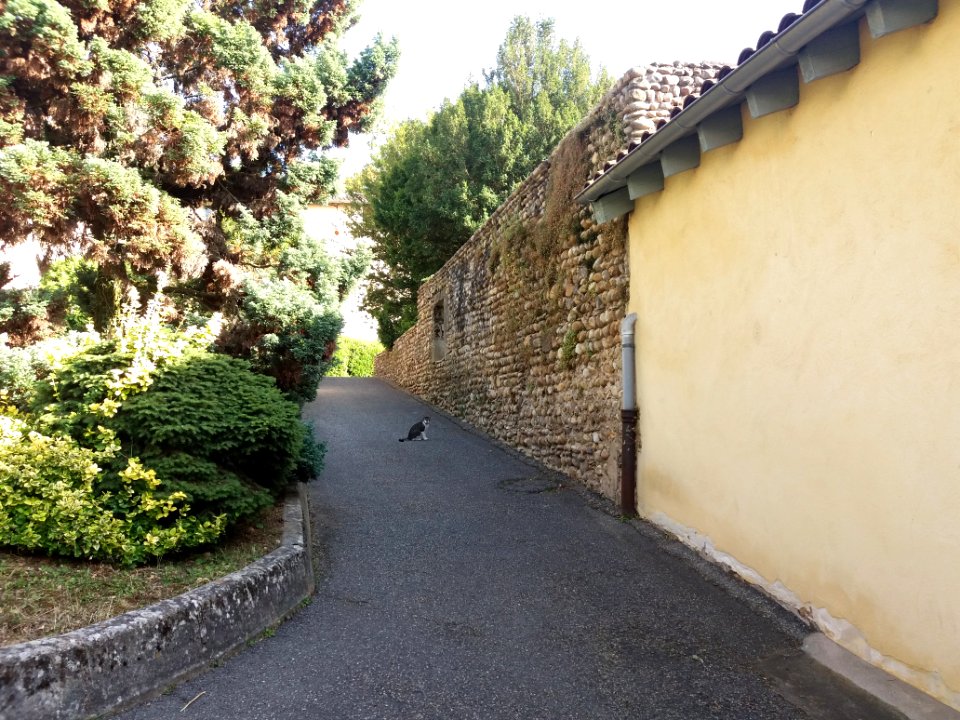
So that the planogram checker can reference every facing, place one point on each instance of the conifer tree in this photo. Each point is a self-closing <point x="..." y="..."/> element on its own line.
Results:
<point x="185" y="136"/>
<point x="175" y="134"/>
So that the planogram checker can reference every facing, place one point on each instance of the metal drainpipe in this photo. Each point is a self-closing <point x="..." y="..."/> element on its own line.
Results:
<point x="628" y="419"/>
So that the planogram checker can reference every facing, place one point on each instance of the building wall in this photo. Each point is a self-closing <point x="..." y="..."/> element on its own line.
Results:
<point x="799" y="354"/>
<point x="329" y="223"/>
<point x="531" y="304"/>
<point x="24" y="267"/>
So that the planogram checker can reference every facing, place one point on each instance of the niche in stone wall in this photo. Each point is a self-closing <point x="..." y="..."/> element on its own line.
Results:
<point x="438" y="346"/>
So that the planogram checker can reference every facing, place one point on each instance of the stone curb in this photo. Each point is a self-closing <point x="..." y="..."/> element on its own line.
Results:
<point x="111" y="665"/>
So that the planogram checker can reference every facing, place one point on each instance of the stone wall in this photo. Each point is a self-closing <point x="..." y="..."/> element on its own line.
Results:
<point x="518" y="333"/>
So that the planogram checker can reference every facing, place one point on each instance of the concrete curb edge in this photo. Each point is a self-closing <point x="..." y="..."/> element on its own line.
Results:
<point x="906" y="699"/>
<point x="116" y="663"/>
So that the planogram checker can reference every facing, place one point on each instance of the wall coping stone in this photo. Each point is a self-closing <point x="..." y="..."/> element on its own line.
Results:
<point x="116" y="663"/>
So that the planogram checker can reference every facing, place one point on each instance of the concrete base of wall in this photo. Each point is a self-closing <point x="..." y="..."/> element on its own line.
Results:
<point x="104" y="667"/>
<point x="914" y="704"/>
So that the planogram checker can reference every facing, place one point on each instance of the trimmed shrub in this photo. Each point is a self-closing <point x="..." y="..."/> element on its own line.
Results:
<point x="286" y="333"/>
<point x="354" y="358"/>
<point x="145" y="443"/>
<point x="52" y="499"/>
<point x="206" y="424"/>
<point x="217" y="431"/>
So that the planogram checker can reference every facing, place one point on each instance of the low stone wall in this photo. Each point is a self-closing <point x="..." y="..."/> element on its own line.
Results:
<point x="91" y="671"/>
<point x="518" y="333"/>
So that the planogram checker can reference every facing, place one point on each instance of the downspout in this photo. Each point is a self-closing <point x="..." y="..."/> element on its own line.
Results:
<point x="628" y="418"/>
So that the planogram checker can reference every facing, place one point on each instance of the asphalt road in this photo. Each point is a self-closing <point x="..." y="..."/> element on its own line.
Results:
<point x="457" y="581"/>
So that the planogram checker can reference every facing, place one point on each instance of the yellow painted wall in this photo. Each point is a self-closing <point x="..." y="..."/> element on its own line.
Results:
<point x="799" y="350"/>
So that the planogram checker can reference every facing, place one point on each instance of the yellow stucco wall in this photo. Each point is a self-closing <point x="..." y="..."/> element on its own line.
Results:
<point x="799" y="351"/>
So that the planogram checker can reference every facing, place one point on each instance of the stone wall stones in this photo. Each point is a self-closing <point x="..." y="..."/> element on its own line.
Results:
<point x="518" y="333"/>
<point x="641" y="98"/>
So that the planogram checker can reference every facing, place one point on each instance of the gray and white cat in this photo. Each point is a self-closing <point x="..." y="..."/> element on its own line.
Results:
<point x="418" y="431"/>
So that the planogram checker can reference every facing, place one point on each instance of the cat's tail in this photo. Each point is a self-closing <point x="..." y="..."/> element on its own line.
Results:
<point x="402" y="439"/>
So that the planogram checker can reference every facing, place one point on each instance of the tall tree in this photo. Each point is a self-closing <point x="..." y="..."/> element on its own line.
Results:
<point x="179" y="135"/>
<point x="119" y="120"/>
<point x="549" y="84"/>
<point x="434" y="183"/>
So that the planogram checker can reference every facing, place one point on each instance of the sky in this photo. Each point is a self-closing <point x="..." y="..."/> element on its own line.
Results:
<point x="445" y="43"/>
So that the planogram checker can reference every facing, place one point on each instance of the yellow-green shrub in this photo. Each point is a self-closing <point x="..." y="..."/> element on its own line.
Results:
<point x="50" y="502"/>
<point x="354" y="358"/>
<point x="142" y="442"/>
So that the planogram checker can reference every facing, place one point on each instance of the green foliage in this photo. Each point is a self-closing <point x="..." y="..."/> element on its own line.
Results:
<point x="351" y="266"/>
<point x="434" y="183"/>
<point x="172" y="145"/>
<point x="141" y="442"/>
<point x="310" y="460"/>
<point x="50" y="190"/>
<point x="19" y="370"/>
<point x="51" y="500"/>
<point x="168" y="136"/>
<point x="310" y="180"/>
<point x="234" y="47"/>
<point x="548" y="82"/>
<point x="23" y="315"/>
<point x="568" y="348"/>
<point x="22" y="367"/>
<point x="286" y="333"/>
<point x="216" y="431"/>
<point x="354" y="358"/>
<point x="308" y="266"/>
<point x="72" y="292"/>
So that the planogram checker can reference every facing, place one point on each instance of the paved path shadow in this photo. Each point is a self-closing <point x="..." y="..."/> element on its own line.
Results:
<point x="457" y="582"/>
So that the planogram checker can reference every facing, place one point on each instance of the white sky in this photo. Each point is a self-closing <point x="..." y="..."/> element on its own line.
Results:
<point x="445" y="43"/>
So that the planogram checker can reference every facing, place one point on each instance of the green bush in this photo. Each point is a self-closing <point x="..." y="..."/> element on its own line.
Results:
<point x="285" y="332"/>
<point x="75" y="292"/>
<point x="22" y="367"/>
<point x="144" y="443"/>
<point x="52" y="500"/>
<point x="221" y="433"/>
<point x="354" y="358"/>
<point x="209" y="427"/>
<point x="70" y="292"/>
<point x="18" y="372"/>
<point x="23" y="316"/>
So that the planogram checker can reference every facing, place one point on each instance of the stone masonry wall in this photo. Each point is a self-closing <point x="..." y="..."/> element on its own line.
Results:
<point x="518" y="333"/>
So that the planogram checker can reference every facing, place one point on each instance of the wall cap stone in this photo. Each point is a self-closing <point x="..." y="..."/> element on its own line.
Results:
<point x="119" y="662"/>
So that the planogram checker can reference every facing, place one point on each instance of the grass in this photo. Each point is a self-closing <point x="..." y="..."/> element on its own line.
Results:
<point x="42" y="596"/>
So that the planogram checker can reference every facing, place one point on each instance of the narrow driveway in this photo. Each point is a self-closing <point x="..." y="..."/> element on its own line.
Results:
<point x="451" y="588"/>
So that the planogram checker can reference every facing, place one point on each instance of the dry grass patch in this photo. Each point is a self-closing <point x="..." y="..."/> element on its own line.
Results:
<point x="45" y="596"/>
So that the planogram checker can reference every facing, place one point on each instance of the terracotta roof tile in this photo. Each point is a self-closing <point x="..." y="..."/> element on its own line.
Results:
<point x="788" y="20"/>
<point x="765" y="38"/>
<point x="707" y="84"/>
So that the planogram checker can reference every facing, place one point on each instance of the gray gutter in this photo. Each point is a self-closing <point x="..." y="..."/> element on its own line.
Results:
<point x="774" y="55"/>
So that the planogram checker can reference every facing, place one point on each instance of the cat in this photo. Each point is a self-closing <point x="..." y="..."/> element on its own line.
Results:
<point x="418" y="431"/>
